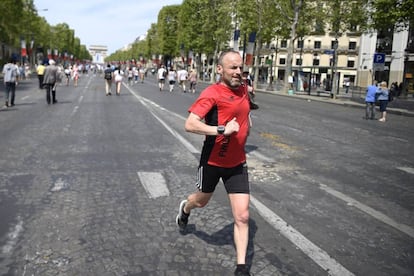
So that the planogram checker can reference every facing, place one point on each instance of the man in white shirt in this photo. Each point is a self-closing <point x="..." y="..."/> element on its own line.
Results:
<point x="162" y="72"/>
<point x="182" y="78"/>
<point x="11" y="76"/>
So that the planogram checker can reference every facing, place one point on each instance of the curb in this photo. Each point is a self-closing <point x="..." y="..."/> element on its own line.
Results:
<point x="402" y="112"/>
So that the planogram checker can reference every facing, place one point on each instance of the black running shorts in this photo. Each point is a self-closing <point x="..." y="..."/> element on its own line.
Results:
<point x="236" y="180"/>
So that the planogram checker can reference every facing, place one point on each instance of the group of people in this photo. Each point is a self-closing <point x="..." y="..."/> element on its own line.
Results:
<point x="377" y="93"/>
<point x="116" y="74"/>
<point x="181" y="76"/>
<point x="113" y="75"/>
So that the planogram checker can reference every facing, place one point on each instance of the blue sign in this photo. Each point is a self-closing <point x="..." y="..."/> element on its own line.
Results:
<point x="329" y="52"/>
<point x="379" y="58"/>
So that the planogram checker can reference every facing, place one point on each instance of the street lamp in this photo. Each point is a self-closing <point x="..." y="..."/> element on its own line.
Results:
<point x="273" y="50"/>
<point x="334" y="79"/>
<point x="405" y="84"/>
<point x="312" y="78"/>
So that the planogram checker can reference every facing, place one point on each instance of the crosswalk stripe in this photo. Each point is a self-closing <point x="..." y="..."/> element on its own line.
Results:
<point x="154" y="184"/>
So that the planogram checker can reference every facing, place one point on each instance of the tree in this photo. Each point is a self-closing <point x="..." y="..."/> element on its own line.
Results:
<point x="167" y="31"/>
<point x="341" y="17"/>
<point x="258" y="17"/>
<point x="394" y="14"/>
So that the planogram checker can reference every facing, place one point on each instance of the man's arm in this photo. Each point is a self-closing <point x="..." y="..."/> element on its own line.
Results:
<point x="195" y="124"/>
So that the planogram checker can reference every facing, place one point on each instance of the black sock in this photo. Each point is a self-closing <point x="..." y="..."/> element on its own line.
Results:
<point x="241" y="267"/>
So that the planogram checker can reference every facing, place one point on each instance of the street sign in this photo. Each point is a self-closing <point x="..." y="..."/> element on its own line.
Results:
<point x="328" y="52"/>
<point x="379" y="62"/>
<point x="379" y="58"/>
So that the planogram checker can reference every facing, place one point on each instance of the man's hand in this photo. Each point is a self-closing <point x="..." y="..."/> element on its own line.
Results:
<point x="231" y="127"/>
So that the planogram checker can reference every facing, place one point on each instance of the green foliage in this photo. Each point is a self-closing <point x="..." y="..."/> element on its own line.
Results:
<point x="20" y="19"/>
<point x="167" y="29"/>
<point x="343" y="16"/>
<point x="392" y="14"/>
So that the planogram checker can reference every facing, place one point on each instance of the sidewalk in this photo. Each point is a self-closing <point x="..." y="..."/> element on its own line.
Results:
<point x="399" y="106"/>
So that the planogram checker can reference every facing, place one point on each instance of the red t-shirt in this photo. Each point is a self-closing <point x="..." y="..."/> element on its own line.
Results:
<point x="218" y="105"/>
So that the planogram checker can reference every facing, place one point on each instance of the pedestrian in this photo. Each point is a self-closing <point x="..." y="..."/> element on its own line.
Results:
<point x="172" y="76"/>
<point x="136" y="74"/>
<point x="193" y="80"/>
<point x="383" y="96"/>
<point x="118" y="75"/>
<point x="142" y="73"/>
<point x="182" y="76"/>
<point x="161" y="74"/>
<point x="67" y="72"/>
<point x="11" y="78"/>
<point x="370" y="99"/>
<point x="40" y="70"/>
<point x="221" y="113"/>
<point x="108" y="76"/>
<point x="75" y="74"/>
<point x="249" y="83"/>
<point x="130" y="75"/>
<point x="347" y="84"/>
<point x="50" y="81"/>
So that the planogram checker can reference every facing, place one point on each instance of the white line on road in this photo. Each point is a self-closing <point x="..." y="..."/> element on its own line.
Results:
<point x="187" y="144"/>
<point x="154" y="183"/>
<point x="314" y="252"/>
<point x="370" y="211"/>
<point x="407" y="170"/>
<point x="13" y="236"/>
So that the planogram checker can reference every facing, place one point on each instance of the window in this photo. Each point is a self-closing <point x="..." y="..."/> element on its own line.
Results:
<point x="350" y="63"/>
<point x="317" y="44"/>
<point x="298" y="61"/>
<point x="282" y="61"/>
<point x="300" y="43"/>
<point x="315" y="61"/>
<point x="352" y="45"/>
<point x="334" y="44"/>
<point x="283" y="44"/>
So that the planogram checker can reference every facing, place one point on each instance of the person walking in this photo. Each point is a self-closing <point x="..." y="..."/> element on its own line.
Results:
<point x="40" y="70"/>
<point x="221" y="113"/>
<point x="50" y="80"/>
<point x="67" y="72"/>
<point x="118" y="75"/>
<point x="172" y="76"/>
<point x="75" y="74"/>
<point x="193" y="80"/>
<point x="142" y="73"/>
<point x="108" y="76"/>
<point x="370" y="99"/>
<point x="161" y="74"/>
<point x="11" y="78"/>
<point x="383" y="100"/>
<point x="182" y="76"/>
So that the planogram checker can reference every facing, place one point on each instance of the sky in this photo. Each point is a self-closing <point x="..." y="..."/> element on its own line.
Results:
<point x="114" y="24"/>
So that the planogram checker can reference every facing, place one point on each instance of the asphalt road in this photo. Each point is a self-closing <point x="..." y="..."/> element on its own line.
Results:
<point x="91" y="186"/>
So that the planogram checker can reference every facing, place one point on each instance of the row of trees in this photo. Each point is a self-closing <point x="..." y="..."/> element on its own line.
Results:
<point x="20" y="20"/>
<point x="207" y="26"/>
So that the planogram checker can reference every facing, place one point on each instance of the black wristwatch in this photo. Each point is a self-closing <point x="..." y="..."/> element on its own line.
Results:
<point x="220" y="129"/>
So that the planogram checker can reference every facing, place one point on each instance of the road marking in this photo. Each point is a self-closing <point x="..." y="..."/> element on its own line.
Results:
<point x="314" y="252"/>
<point x="24" y="98"/>
<point x="187" y="144"/>
<point x="13" y="236"/>
<point x="154" y="183"/>
<point x="406" y="169"/>
<point x="370" y="211"/>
